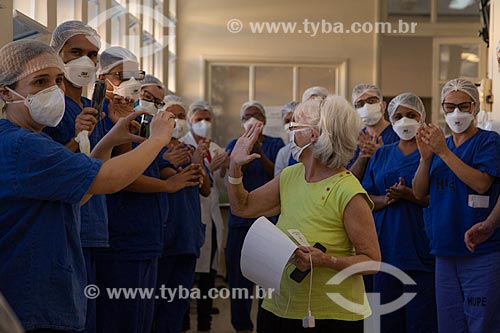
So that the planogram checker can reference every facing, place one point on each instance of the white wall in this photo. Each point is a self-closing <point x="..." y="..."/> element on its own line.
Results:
<point x="202" y="32"/>
<point x="492" y="59"/>
<point x="406" y="65"/>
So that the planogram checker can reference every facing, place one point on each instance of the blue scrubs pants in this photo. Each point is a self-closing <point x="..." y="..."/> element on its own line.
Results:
<point x="174" y="272"/>
<point x="240" y="308"/>
<point x="468" y="293"/>
<point x="419" y="315"/>
<point x="134" y="315"/>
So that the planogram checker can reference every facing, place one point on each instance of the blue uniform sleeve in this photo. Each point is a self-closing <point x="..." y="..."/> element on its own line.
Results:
<point x="487" y="157"/>
<point x="163" y="163"/>
<point x="368" y="182"/>
<point x="48" y="171"/>
<point x="230" y="146"/>
<point x="278" y="144"/>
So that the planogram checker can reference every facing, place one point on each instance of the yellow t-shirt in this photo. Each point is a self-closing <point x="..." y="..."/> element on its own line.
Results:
<point x="317" y="209"/>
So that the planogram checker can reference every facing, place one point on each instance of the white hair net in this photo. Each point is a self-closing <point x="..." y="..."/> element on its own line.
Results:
<point x="364" y="88"/>
<point x="289" y="107"/>
<point x="68" y="29"/>
<point x="21" y="58"/>
<point x="319" y="91"/>
<point x="115" y="56"/>
<point x="198" y="106"/>
<point x="150" y="80"/>
<point x="408" y="100"/>
<point x="248" y="105"/>
<point x="173" y="100"/>
<point x="462" y="85"/>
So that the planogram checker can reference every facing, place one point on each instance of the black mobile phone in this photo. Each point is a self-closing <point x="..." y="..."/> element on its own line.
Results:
<point x="98" y="97"/>
<point x="145" y="123"/>
<point x="298" y="275"/>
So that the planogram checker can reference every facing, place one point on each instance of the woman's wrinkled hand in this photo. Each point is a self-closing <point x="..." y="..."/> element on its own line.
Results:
<point x="240" y="155"/>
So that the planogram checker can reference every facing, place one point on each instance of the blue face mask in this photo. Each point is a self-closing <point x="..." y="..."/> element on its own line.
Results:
<point x="296" y="150"/>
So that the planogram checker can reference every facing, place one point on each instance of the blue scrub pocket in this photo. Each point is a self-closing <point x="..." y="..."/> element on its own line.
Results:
<point x="62" y="288"/>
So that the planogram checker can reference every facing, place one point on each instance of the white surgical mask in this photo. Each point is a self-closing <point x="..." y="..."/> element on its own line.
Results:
<point x="370" y="113"/>
<point x="202" y="128"/>
<point x="250" y="122"/>
<point x="147" y="106"/>
<point x="459" y="121"/>
<point x="180" y="128"/>
<point x="296" y="150"/>
<point x="406" y="128"/>
<point x="130" y="88"/>
<point x="80" y="72"/>
<point x="45" y="107"/>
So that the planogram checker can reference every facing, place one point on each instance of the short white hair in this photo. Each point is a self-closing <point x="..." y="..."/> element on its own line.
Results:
<point x="338" y="125"/>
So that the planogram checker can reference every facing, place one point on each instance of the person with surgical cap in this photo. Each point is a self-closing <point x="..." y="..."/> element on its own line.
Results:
<point x="42" y="269"/>
<point x="120" y="69"/>
<point x="152" y="95"/>
<point x="184" y="233"/>
<point x="459" y="174"/>
<point x="199" y="117"/>
<point x="78" y="44"/>
<point x="136" y="217"/>
<point x="323" y="200"/>
<point x="482" y="231"/>
<point x="257" y="173"/>
<point x="399" y="220"/>
<point x="284" y="157"/>
<point x="369" y="103"/>
<point x="315" y="92"/>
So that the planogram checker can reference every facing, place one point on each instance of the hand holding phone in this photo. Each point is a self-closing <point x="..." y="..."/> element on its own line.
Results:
<point x="298" y="275"/>
<point x="98" y="97"/>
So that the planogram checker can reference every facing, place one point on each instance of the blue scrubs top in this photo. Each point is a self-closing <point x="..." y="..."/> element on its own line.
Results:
<point x="254" y="175"/>
<point x="94" y="214"/>
<point x="184" y="231"/>
<point x="400" y="226"/>
<point x="388" y="136"/>
<point x="449" y="212"/>
<point x="42" y="271"/>
<point x="136" y="221"/>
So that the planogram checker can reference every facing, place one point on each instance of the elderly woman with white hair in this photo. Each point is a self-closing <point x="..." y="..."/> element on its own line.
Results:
<point x="459" y="174"/>
<point x="327" y="204"/>
<point x="399" y="220"/>
<point x="257" y="173"/>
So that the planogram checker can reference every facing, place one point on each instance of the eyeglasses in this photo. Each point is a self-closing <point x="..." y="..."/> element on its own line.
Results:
<point x="292" y="126"/>
<point x="124" y="76"/>
<point x="369" y="100"/>
<point x="463" y="107"/>
<point x="159" y="103"/>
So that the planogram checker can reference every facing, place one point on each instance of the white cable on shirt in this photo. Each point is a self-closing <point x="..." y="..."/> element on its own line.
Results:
<point x="310" y="285"/>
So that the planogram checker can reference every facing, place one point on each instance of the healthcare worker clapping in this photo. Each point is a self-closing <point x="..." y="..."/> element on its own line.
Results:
<point x="459" y="173"/>
<point x="42" y="272"/>
<point x="399" y="219"/>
